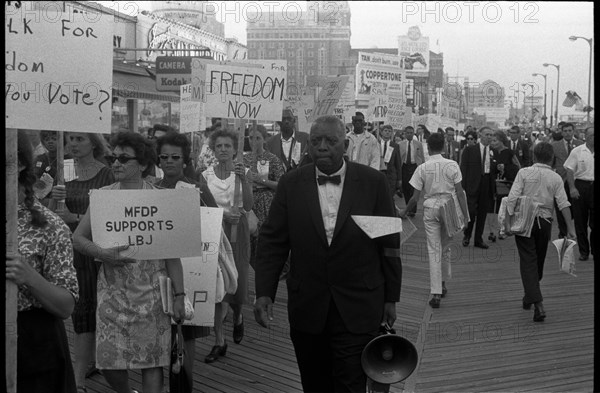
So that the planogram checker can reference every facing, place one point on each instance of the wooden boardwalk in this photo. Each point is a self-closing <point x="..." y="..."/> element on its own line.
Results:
<point x="480" y="339"/>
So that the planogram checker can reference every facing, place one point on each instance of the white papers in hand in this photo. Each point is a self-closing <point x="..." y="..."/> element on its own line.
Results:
<point x="566" y="259"/>
<point x="377" y="226"/>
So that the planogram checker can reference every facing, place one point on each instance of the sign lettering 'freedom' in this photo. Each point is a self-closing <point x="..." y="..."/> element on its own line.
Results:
<point x="244" y="92"/>
<point x="157" y="224"/>
<point x="58" y="69"/>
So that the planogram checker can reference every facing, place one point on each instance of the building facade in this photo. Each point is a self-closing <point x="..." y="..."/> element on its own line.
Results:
<point x="314" y="42"/>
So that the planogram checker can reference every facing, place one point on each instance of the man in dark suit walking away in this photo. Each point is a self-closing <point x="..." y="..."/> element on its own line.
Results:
<point x="342" y="285"/>
<point x="479" y="173"/>
<point x="520" y="147"/>
<point x="411" y="155"/>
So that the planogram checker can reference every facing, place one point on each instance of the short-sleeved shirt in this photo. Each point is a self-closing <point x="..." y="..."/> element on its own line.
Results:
<point x="581" y="162"/>
<point x="48" y="250"/>
<point x="437" y="176"/>
<point x="543" y="185"/>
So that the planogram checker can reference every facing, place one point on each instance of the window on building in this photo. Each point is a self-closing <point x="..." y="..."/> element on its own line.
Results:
<point x="290" y="53"/>
<point x="290" y="44"/>
<point x="311" y="45"/>
<point x="271" y="54"/>
<point x="311" y="53"/>
<point x="271" y="45"/>
<point x="311" y="72"/>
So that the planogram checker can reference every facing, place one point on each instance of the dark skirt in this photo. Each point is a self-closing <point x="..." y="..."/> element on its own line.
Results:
<point x="84" y="314"/>
<point x="43" y="358"/>
<point x="241" y="254"/>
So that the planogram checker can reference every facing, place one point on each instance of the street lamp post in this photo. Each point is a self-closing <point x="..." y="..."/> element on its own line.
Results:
<point x="557" y="66"/>
<point x="532" y="86"/>
<point x="545" y="76"/>
<point x="589" y="41"/>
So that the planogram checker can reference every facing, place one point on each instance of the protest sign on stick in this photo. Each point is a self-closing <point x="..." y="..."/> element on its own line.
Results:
<point x="58" y="69"/>
<point x="191" y="117"/>
<point x="330" y="89"/>
<point x="156" y="224"/>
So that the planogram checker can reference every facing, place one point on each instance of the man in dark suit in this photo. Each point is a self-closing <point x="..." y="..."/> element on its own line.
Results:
<point x="342" y="284"/>
<point x="519" y="147"/>
<point x="289" y="145"/>
<point x="411" y="159"/>
<point x="452" y="146"/>
<point x="479" y="172"/>
<point x="391" y="165"/>
<point x="562" y="148"/>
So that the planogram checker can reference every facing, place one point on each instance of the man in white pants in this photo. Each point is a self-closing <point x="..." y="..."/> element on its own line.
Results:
<point x="438" y="178"/>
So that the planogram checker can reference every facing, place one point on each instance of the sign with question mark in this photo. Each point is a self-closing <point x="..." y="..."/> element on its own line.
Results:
<point x="58" y="68"/>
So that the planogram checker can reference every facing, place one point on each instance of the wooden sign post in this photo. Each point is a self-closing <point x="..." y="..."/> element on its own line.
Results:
<point x="240" y="129"/>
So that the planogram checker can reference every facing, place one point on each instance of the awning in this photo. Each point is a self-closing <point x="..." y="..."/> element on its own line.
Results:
<point x="129" y="85"/>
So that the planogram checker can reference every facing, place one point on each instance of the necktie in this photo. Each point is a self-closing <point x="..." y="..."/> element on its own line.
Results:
<point x="569" y="146"/>
<point x="384" y="149"/>
<point x="337" y="179"/>
<point x="483" y="161"/>
<point x="408" y="161"/>
<point x="514" y="146"/>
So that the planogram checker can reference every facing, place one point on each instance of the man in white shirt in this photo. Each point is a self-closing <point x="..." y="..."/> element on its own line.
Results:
<point x="580" y="176"/>
<point x="290" y="145"/>
<point x="438" y="179"/>
<point x="391" y="165"/>
<point x="363" y="146"/>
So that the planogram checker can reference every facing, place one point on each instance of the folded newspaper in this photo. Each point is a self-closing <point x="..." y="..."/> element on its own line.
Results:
<point x="454" y="220"/>
<point x="566" y="259"/>
<point x="521" y="215"/>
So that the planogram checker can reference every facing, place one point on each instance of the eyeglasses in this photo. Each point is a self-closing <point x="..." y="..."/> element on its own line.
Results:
<point x="470" y="138"/>
<point x="174" y="157"/>
<point x="122" y="159"/>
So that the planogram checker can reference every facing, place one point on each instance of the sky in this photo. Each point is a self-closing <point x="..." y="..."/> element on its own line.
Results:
<point x="502" y="41"/>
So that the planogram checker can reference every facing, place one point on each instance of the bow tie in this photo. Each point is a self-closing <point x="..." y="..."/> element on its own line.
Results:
<point x="337" y="179"/>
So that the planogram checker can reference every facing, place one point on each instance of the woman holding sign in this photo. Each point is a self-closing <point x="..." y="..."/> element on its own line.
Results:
<point x="47" y="288"/>
<point x="221" y="180"/>
<point x="132" y="330"/>
<point x="92" y="173"/>
<point x="265" y="170"/>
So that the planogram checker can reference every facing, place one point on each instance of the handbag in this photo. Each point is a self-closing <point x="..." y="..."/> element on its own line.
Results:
<point x="252" y="223"/>
<point x="178" y="380"/>
<point x="502" y="188"/>
<point x="166" y="295"/>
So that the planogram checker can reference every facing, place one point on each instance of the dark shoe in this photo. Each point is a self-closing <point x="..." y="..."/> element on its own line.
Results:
<point x="444" y="289"/>
<point x="216" y="352"/>
<point x="481" y="245"/>
<point x="539" y="314"/>
<point x="92" y="370"/>
<point x="583" y="257"/>
<point x="238" y="332"/>
<point x="435" y="301"/>
<point x="526" y="306"/>
<point x="492" y="237"/>
<point x="466" y="241"/>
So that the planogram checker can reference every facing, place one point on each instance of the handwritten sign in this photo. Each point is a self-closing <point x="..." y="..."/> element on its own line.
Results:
<point x="58" y="69"/>
<point x="200" y="273"/>
<point x="156" y="224"/>
<point x="302" y="107"/>
<point x="191" y="116"/>
<point x="244" y="92"/>
<point x="330" y="90"/>
<point x="397" y="115"/>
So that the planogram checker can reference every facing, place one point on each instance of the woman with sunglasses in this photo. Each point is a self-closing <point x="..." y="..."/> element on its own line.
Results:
<point x="47" y="287"/>
<point x="221" y="179"/>
<point x="88" y="151"/>
<point x="173" y="153"/>
<point x="470" y="140"/>
<point x="132" y="330"/>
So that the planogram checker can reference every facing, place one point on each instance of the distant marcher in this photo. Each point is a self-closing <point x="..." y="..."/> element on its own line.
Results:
<point x="289" y="145"/>
<point x="363" y="147"/>
<point x="411" y="155"/>
<point x="438" y="179"/>
<point x="545" y="186"/>
<point x="47" y="288"/>
<point x="451" y="146"/>
<point x="264" y="174"/>
<point x="391" y="162"/>
<point x="580" y="175"/>
<point x="221" y="179"/>
<point x="519" y="146"/>
<point x="89" y="153"/>
<point x="478" y="172"/>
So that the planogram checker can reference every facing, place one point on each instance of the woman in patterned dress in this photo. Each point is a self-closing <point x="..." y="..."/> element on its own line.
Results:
<point x="92" y="173"/>
<point x="221" y="180"/>
<point x="47" y="288"/>
<point x="132" y="331"/>
<point x="265" y="170"/>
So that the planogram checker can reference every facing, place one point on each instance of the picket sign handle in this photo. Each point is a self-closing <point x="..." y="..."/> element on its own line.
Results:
<point x="60" y="168"/>
<point x="237" y="192"/>
<point x="11" y="170"/>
